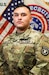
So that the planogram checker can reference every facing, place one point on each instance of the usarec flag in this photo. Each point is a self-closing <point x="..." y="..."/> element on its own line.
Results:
<point x="6" y="12"/>
<point x="40" y="14"/>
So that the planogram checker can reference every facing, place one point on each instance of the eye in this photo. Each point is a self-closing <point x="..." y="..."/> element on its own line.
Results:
<point x="15" y="14"/>
<point x="23" y="14"/>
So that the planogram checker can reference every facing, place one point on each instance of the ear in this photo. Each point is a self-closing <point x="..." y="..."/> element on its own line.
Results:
<point x="30" y="18"/>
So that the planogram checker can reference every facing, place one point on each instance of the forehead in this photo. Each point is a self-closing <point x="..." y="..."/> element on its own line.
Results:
<point x="22" y="9"/>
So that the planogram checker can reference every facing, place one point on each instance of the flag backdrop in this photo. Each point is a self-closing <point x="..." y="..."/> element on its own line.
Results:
<point x="6" y="12"/>
<point x="40" y="15"/>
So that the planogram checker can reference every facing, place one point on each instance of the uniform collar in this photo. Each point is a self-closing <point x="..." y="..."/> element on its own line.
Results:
<point x="26" y="33"/>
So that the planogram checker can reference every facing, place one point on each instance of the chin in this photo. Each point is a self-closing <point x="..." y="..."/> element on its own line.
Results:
<point x="21" y="27"/>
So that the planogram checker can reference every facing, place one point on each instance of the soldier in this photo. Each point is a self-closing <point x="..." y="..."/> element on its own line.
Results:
<point x="25" y="52"/>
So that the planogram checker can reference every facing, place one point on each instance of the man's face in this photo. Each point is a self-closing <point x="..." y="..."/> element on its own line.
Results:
<point x="21" y="17"/>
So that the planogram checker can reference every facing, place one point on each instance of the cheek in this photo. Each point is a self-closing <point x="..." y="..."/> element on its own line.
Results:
<point x="14" y="20"/>
<point x="27" y="20"/>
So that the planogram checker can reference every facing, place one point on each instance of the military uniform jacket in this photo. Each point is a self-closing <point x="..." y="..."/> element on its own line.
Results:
<point x="25" y="54"/>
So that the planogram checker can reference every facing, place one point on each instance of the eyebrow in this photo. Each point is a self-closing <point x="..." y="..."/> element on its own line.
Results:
<point x="21" y="13"/>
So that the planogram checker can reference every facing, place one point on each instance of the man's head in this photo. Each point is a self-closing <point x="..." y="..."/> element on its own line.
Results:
<point x="23" y="5"/>
<point x="22" y="17"/>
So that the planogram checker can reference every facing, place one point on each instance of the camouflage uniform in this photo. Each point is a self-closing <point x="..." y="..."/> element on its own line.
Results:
<point x="25" y="54"/>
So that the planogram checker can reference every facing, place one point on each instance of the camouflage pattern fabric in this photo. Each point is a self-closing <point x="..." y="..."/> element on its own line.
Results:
<point x="25" y="54"/>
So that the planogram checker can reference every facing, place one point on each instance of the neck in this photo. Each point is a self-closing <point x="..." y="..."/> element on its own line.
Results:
<point x="21" y="30"/>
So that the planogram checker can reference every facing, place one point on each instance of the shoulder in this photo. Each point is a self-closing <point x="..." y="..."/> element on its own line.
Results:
<point x="35" y="34"/>
<point x="8" y="38"/>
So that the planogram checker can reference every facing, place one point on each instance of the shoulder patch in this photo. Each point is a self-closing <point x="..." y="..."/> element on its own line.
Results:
<point x="45" y="51"/>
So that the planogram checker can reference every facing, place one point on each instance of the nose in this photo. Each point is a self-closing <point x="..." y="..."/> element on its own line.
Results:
<point x="19" y="17"/>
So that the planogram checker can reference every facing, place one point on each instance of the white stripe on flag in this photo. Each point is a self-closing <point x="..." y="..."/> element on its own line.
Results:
<point x="6" y="30"/>
<point x="2" y="22"/>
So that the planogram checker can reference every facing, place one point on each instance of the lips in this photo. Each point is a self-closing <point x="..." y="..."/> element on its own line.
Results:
<point x="19" y="22"/>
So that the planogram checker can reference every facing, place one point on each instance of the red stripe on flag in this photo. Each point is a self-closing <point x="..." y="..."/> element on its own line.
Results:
<point x="11" y="30"/>
<point x="3" y="27"/>
<point x="1" y="18"/>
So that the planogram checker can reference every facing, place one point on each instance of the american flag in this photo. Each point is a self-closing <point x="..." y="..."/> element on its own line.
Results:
<point x="6" y="24"/>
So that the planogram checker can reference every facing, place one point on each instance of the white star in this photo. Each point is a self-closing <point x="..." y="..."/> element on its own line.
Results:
<point x="12" y="8"/>
<point x="8" y="13"/>
<point x="8" y="18"/>
<point x="39" y="27"/>
<point x="12" y="4"/>
<point x="12" y="13"/>
<point x="18" y="1"/>
<point x="39" y="23"/>
<point x="22" y="0"/>
<point x="8" y="9"/>
<point x="4" y="14"/>
<point x="36" y="20"/>
<point x="15" y="3"/>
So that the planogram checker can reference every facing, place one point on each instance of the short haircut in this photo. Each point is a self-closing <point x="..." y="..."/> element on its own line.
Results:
<point x="23" y="5"/>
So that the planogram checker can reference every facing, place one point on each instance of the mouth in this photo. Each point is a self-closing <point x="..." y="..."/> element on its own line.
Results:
<point x="19" y="22"/>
